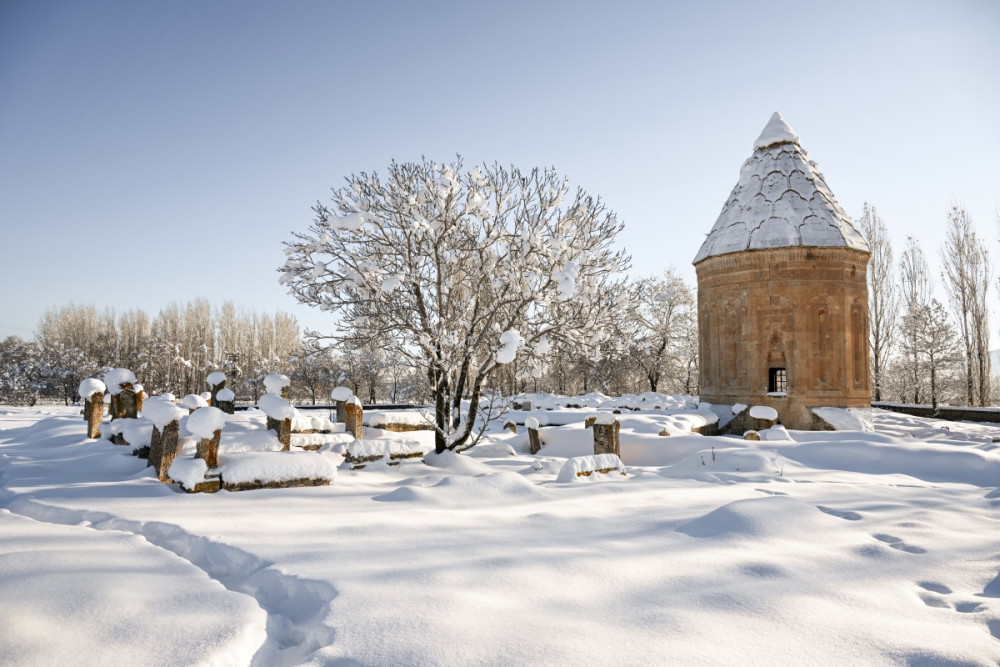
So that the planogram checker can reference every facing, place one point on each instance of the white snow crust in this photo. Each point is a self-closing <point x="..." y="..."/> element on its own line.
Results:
<point x="780" y="200"/>
<point x="531" y="422"/>
<point x="605" y="418"/>
<point x="91" y="386"/>
<point x="226" y="395"/>
<point x="204" y="422"/>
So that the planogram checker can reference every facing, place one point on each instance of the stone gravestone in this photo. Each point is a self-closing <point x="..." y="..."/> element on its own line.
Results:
<point x="606" y="435"/>
<point x="92" y="392"/>
<point x="354" y="417"/>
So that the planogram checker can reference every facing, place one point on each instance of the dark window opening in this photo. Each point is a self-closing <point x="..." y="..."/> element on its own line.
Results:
<point x="777" y="380"/>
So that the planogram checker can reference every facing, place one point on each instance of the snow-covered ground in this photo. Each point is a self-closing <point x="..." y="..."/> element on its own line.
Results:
<point x="807" y="548"/>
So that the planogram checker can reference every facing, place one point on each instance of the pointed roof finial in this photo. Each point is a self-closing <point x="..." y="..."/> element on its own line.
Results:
<point x="777" y="131"/>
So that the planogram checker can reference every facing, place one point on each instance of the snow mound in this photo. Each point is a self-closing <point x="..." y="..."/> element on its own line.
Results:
<point x="761" y="518"/>
<point x="91" y="386"/>
<point x="341" y="394"/>
<point x="301" y="422"/>
<point x="378" y="418"/>
<point x="491" y="450"/>
<point x="847" y="419"/>
<point x="204" y="422"/>
<point x="457" y="463"/>
<point x="117" y="377"/>
<point x="226" y="395"/>
<point x="461" y="491"/>
<point x="137" y="432"/>
<point x="275" y="407"/>
<point x="193" y="402"/>
<point x="580" y="467"/>
<point x="728" y="465"/>
<point x="161" y="412"/>
<point x="215" y="378"/>
<point x="187" y="470"/>
<point x="275" y="382"/>
<point x="388" y="447"/>
<point x="763" y="412"/>
<point x="276" y="467"/>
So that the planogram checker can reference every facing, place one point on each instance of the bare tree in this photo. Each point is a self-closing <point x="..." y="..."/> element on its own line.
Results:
<point x="966" y="274"/>
<point x="664" y="311"/>
<point x="936" y="343"/>
<point x="882" y="297"/>
<point x="915" y="295"/>
<point x="460" y="273"/>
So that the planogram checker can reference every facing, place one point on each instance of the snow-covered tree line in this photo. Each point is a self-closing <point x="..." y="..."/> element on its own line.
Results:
<point x="923" y="350"/>
<point x="171" y="351"/>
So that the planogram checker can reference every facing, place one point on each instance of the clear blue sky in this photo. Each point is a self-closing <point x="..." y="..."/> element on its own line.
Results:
<point x="160" y="151"/>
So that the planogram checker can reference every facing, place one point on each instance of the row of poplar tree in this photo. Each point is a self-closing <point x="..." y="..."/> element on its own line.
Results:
<point x="923" y="350"/>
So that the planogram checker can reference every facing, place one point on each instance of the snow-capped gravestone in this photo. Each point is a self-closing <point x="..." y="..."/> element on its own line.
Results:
<point x="340" y="396"/>
<point x="215" y="381"/>
<point x="534" y="443"/>
<point x="225" y="400"/>
<point x="606" y="434"/>
<point x="166" y="426"/>
<point x="121" y="385"/>
<point x="279" y="417"/>
<point x="585" y="466"/>
<point x="92" y="392"/>
<point x="206" y="424"/>
<point x="354" y="417"/>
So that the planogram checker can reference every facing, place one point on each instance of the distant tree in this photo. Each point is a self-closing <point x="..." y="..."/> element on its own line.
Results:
<point x="20" y="372"/>
<point x="663" y="316"/>
<point x="882" y="296"/>
<point x="967" y="275"/>
<point x="460" y="273"/>
<point x="312" y="372"/>
<point x="937" y="344"/>
<point x="915" y="297"/>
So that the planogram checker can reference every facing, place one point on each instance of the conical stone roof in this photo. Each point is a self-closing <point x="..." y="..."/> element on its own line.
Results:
<point x="781" y="200"/>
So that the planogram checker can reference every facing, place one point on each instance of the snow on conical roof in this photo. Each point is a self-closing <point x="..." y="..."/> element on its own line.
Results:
<point x="780" y="201"/>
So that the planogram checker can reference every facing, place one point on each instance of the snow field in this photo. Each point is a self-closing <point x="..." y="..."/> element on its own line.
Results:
<point x="813" y="548"/>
